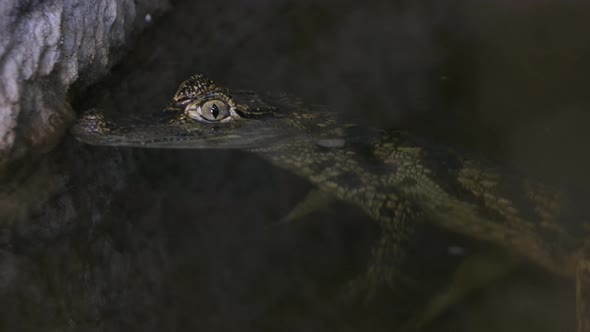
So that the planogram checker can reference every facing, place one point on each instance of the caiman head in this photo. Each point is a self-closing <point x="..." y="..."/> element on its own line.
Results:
<point x="203" y="114"/>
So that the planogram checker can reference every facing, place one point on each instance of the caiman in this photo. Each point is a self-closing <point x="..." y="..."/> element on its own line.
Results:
<point x="392" y="176"/>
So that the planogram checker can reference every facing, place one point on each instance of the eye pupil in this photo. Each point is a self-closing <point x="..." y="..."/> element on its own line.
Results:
<point x="215" y="111"/>
<point x="210" y="110"/>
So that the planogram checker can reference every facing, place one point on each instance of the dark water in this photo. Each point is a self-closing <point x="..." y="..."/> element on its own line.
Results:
<point x="188" y="240"/>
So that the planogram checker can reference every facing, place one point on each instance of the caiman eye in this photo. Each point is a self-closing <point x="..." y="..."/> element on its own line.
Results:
<point x="212" y="110"/>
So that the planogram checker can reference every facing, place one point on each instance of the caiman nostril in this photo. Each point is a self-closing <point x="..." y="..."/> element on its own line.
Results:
<point x="92" y="121"/>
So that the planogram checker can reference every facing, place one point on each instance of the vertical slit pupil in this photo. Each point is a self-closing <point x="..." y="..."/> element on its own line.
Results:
<point x="214" y="111"/>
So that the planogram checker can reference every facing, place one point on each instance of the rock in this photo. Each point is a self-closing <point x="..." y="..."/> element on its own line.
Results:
<point x="45" y="48"/>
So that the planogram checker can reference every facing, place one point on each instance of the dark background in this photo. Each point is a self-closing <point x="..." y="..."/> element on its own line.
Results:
<point x="184" y="243"/>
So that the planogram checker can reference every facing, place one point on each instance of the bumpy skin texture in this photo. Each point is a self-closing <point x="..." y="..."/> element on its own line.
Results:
<point x="395" y="178"/>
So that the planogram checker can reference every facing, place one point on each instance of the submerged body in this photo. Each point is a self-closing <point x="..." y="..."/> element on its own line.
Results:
<point x="395" y="178"/>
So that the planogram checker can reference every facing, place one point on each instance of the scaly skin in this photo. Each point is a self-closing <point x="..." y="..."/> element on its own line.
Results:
<point x="394" y="177"/>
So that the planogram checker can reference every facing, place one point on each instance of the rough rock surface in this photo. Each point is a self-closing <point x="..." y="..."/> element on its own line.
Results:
<point x="106" y="239"/>
<point x="45" y="47"/>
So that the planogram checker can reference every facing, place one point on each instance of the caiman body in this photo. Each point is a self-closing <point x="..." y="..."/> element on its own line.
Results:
<point x="394" y="177"/>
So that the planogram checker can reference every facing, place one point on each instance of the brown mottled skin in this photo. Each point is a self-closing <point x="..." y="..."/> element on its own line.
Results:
<point x="394" y="177"/>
